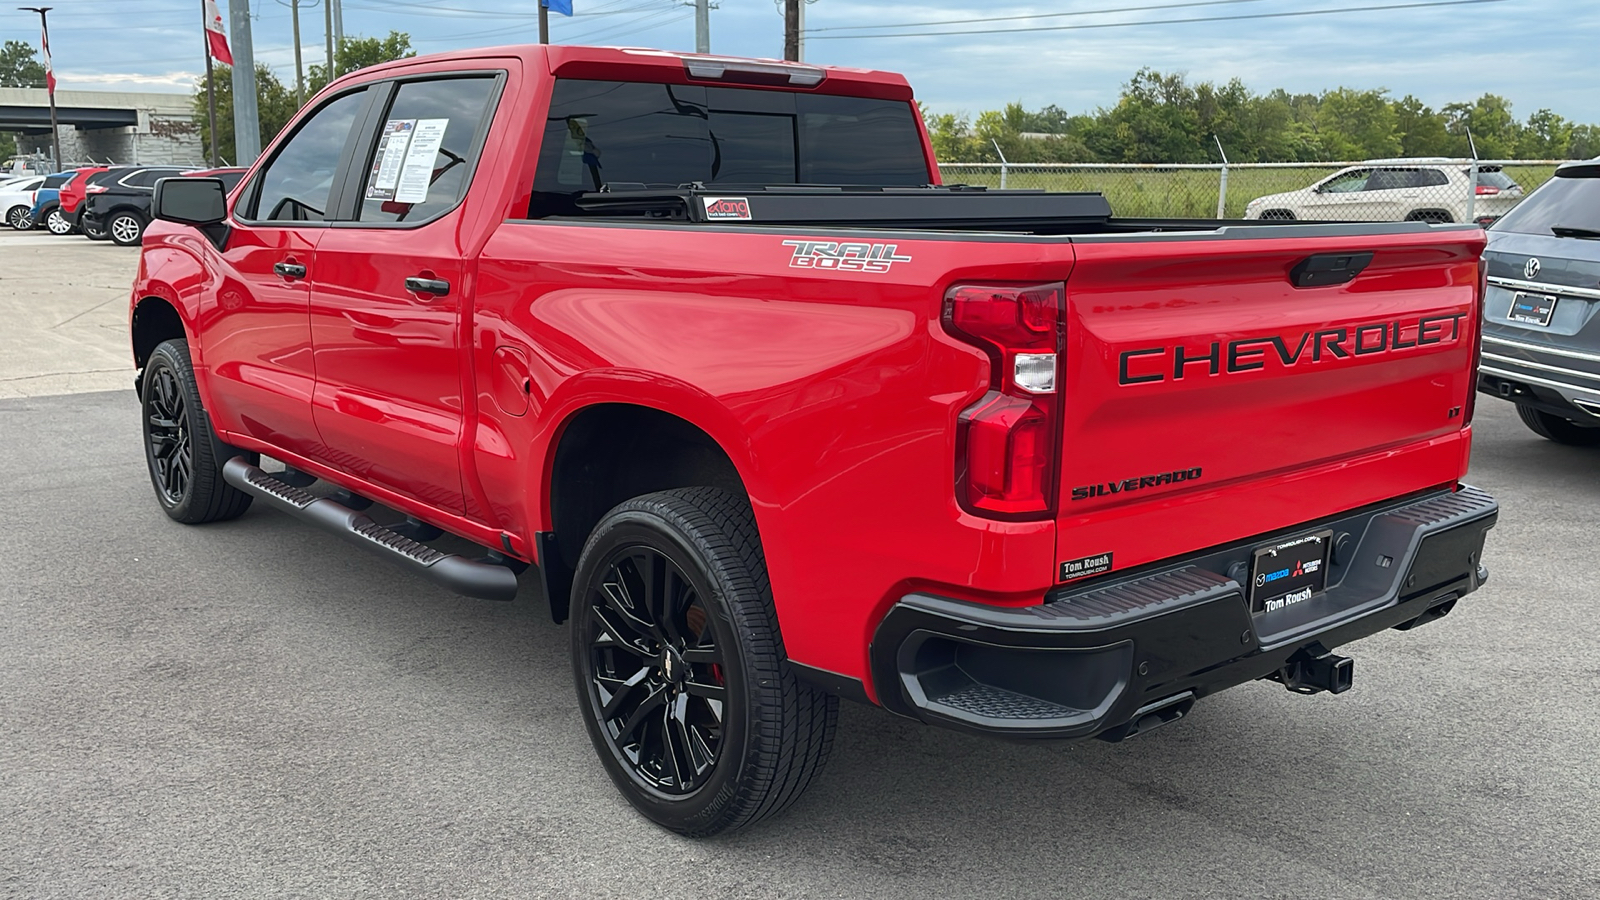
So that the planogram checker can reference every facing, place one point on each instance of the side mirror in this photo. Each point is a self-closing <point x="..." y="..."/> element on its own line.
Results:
<point x="200" y="202"/>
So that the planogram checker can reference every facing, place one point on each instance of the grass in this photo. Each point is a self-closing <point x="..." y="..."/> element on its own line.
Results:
<point x="1181" y="193"/>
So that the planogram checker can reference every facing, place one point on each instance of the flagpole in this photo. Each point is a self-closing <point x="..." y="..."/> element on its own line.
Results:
<point x="211" y="84"/>
<point x="55" y="129"/>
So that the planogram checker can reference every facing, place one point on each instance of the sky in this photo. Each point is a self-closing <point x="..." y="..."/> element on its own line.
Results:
<point x="1530" y="51"/>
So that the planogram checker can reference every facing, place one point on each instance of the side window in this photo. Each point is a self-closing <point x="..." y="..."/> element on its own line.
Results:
<point x="426" y="149"/>
<point x="1429" y="178"/>
<point x="1348" y="182"/>
<point x="1389" y="179"/>
<point x="296" y="185"/>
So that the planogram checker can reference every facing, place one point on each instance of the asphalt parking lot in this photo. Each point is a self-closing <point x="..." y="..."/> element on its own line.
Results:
<point x="254" y="709"/>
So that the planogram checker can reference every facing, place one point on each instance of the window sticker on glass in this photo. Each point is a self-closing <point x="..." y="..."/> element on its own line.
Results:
<point x="416" y="174"/>
<point x="387" y="161"/>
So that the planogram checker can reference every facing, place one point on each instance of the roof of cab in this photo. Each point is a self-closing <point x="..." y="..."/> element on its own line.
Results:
<point x="671" y="67"/>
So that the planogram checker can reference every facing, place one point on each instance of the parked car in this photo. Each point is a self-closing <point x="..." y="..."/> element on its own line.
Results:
<point x="1541" y="337"/>
<point x="118" y="206"/>
<point x="230" y="176"/>
<point x="783" y="421"/>
<point x="46" y="211"/>
<point x="73" y="194"/>
<point x="1396" y="190"/>
<point x="16" y="201"/>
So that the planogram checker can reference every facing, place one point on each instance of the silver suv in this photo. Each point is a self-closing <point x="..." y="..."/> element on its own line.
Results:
<point x="1397" y="190"/>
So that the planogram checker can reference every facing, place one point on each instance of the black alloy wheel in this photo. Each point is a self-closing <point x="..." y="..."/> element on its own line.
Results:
<point x="680" y="670"/>
<point x="166" y="429"/>
<point x="655" y="671"/>
<point x="184" y="456"/>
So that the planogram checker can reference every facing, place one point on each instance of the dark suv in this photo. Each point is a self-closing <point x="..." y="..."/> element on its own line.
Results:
<point x="1541" y="337"/>
<point x="117" y="204"/>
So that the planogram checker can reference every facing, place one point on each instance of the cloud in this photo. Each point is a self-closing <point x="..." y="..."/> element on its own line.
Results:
<point x="73" y="79"/>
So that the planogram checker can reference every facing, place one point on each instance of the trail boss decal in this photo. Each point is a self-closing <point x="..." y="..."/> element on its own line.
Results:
<point x="843" y="257"/>
<point x="1106" y="489"/>
<point x="723" y="208"/>
<point x="1157" y="364"/>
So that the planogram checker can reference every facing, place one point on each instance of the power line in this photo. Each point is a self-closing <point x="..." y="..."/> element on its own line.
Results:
<point x="1278" y="15"/>
<point x="1080" y="12"/>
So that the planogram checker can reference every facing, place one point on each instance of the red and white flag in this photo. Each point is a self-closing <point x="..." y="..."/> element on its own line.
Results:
<point x="215" y="36"/>
<point x="49" y="70"/>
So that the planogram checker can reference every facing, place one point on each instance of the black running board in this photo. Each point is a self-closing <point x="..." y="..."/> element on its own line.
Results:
<point x="485" y="581"/>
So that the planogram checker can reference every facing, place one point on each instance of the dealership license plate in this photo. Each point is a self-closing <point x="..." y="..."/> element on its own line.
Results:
<point x="1532" y="309"/>
<point x="1290" y="572"/>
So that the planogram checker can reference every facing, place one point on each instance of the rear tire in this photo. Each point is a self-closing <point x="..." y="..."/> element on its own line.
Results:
<point x="1555" y="428"/>
<point x="1431" y="216"/>
<point x="179" y="442"/>
<point x="680" y="668"/>
<point x="20" y="218"/>
<point x="126" y="229"/>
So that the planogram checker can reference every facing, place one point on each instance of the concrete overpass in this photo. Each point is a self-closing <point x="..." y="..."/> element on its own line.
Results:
<point x="105" y="126"/>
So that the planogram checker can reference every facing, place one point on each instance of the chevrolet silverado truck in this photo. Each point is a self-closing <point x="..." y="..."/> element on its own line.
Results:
<point x="782" y="419"/>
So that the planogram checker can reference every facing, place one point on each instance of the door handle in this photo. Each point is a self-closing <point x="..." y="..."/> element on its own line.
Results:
<point x="289" y="270"/>
<point x="435" y="286"/>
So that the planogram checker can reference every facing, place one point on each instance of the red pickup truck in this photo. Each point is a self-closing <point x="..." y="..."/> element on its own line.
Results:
<point x="781" y="419"/>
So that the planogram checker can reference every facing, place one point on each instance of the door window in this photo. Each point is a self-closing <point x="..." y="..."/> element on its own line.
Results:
<point x="426" y="149"/>
<point x="297" y="183"/>
<point x="1346" y="183"/>
<point x="1391" y="179"/>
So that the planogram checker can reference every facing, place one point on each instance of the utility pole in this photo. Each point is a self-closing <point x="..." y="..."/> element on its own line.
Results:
<point x="246" y="114"/>
<point x="338" y="27"/>
<point x="702" y="26"/>
<point x="44" y="38"/>
<point x="800" y="31"/>
<point x="544" y="23"/>
<point x="299" y="65"/>
<point x="791" y="29"/>
<point x="327" y="31"/>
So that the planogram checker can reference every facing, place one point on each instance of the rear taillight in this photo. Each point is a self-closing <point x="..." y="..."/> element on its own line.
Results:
<point x="96" y="189"/>
<point x="1007" y="442"/>
<point x="1477" y="341"/>
<point x="1487" y="190"/>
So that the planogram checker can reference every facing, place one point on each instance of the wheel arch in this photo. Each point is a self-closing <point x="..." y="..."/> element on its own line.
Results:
<point x="607" y="452"/>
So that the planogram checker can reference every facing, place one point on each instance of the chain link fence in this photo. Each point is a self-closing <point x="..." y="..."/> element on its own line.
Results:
<point x="1433" y="190"/>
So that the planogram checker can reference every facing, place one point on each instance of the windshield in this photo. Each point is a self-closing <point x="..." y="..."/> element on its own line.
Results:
<point x="625" y="135"/>
<point x="1561" y="202"/>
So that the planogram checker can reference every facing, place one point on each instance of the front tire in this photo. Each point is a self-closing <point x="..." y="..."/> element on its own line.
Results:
<point x="1555" y="428"/>
<point x="126" y="229"/>
<point x="178" y="442"/>
<point x="680" y="668"/>
<point x="94" y="233"/>
<point x="56" y="222"/>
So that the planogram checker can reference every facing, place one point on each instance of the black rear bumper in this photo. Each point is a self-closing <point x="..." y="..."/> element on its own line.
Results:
<point x="1124" y="654"/>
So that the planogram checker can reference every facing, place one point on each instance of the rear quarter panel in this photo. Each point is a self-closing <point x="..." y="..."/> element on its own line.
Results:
<point x="834" y="393"/>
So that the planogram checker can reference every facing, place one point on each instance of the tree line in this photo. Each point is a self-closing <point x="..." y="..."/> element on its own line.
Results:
<point x="1164" y="118"/>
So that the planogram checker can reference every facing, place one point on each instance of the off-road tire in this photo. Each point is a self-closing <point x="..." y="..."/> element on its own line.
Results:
<point x="776" y="731"/>
<point x="173" y="415"/>
<point x="1555" y="428"/>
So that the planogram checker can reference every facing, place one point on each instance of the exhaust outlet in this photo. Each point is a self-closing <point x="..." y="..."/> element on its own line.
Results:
<point x="1314" y="670"/>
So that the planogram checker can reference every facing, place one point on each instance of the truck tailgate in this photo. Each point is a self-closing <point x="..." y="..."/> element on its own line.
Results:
<point x="1208" y="399"/>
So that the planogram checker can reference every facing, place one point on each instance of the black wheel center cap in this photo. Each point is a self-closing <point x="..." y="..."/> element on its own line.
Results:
<point x="673" y="668"/>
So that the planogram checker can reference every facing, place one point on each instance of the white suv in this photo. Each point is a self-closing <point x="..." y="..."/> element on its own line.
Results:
<point x="1396" y="190"/>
